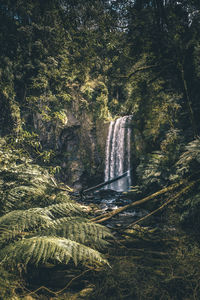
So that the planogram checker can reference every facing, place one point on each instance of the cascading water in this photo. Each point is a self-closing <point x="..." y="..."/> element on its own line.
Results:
<point x="118" y="153"/>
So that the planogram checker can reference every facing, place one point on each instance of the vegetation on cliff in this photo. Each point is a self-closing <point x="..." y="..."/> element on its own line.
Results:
<point x="65" y="67"/>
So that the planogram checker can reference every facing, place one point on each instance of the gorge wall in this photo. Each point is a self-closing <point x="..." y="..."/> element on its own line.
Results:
<point x="79" y="143"/>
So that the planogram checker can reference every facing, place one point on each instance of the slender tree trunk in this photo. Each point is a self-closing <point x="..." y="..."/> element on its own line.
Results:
<point x="183" y="191"/>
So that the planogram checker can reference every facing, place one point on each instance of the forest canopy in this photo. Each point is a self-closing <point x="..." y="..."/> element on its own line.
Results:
<point x="67" y="68"/>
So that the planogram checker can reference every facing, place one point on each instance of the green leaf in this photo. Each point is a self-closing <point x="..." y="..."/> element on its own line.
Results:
<point x="45" y="249"/>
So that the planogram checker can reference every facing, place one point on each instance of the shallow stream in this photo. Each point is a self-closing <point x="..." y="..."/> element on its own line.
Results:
<point x="108" y="200"/>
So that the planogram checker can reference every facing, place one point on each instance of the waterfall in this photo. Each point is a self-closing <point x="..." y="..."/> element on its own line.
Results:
<point x="118" y="153"/>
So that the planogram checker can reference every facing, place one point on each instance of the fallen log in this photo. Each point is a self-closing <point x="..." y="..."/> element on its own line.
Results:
<point x="93" y="188"/>
<point x="183" y="191"/>
<point x="115" y="212"/>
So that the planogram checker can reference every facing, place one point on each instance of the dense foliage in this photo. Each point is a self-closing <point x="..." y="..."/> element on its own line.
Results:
<point x="97" y="59"/>
<point x="40" y="224"/>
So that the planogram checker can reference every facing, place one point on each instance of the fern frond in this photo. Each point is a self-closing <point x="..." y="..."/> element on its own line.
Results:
<point x="191" y="154"/>
<point x="15" y="222"/>
<point x="10" y="234"/>
<point x="45" y="249"/>
<point x="65" y="209"/>
<point x="18" y="192"/>
<point x="81" y="230"/>
<point x="24" y="184"/>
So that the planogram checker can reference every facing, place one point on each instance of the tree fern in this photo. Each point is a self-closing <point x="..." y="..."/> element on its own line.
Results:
<point x="65" y="209"/>
<point x="55" y="228"/>
<point x="24" y="184"/>
<point x="35" y="219"/>
<point x="46" y="236"/>
<point x="43" y="249"/>
<point x="81" y="230"/>
<point x="16" y="222"/>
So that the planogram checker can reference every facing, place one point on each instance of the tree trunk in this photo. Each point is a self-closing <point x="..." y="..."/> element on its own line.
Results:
<point x="109" y="215"/>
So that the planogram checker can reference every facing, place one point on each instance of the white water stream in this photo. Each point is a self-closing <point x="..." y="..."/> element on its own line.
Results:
<point x="118" y="154"/>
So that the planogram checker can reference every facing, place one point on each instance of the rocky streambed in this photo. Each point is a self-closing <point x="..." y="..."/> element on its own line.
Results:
<point x="107" y="200"/>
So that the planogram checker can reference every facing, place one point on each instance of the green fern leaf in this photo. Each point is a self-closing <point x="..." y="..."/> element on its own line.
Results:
<point x="35" y="219"/>
<point x="81" y="230"/>
<point x="45" y="249"/>
<point x="65" y="209"/>
<point x="15" y="222"/>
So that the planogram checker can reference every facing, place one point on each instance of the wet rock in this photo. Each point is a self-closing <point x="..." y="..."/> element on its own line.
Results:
<point x="106" y="193"/>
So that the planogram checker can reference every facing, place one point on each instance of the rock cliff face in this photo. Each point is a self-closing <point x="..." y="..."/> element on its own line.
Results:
<point x="79" y="142"/>
<point x="77" y="133"/>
